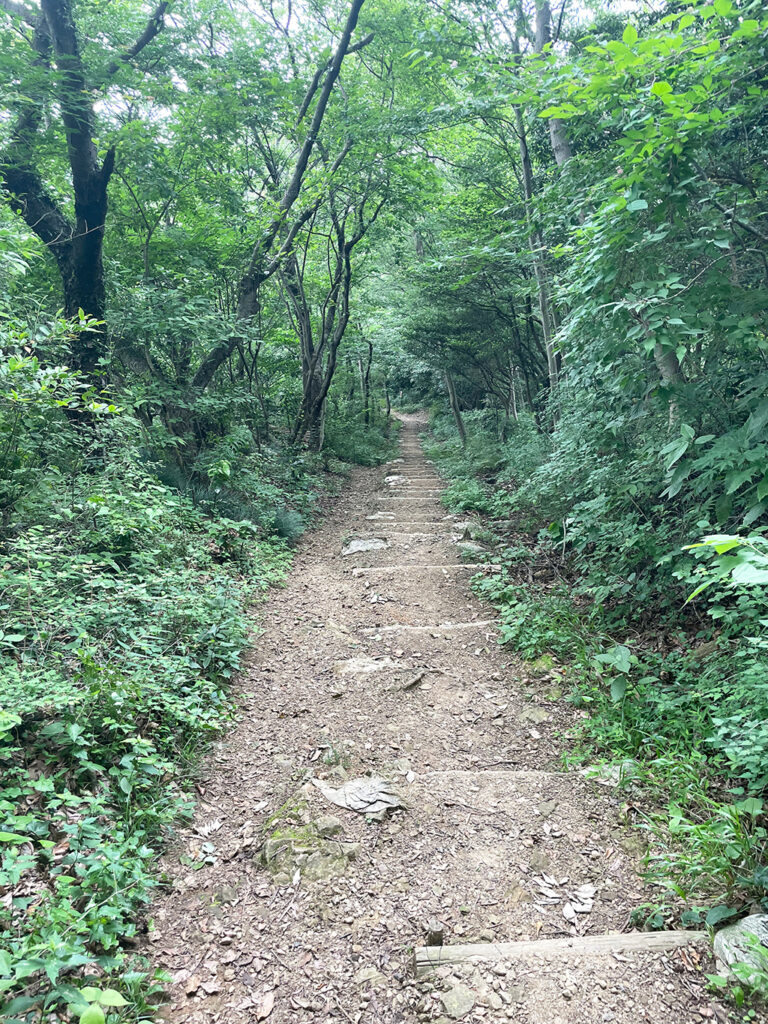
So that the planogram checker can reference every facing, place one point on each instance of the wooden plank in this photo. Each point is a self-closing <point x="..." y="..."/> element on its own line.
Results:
<point x="440" y="627"/>
<point x="427" y="957"/>
<point x="475" y="566"/>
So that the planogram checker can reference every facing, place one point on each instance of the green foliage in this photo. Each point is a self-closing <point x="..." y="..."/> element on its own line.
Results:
<point x="123" y="622"/>
<point x="688" y="709"/>
<point x="352" y="441"/>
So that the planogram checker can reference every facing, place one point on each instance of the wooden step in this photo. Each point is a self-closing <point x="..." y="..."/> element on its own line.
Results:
<point x="428" y="957"/>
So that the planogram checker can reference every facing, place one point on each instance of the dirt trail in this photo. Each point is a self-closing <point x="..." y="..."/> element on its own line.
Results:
<point x="383" y="662"/>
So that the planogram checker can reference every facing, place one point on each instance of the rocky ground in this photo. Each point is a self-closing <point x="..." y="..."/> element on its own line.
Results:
<point x="376" y="662"/>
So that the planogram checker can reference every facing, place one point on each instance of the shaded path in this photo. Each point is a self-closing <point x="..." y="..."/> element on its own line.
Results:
<point x="383" y="662"/>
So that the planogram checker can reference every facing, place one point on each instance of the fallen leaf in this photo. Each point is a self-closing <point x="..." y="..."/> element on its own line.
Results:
<point x="267" y="1005"/>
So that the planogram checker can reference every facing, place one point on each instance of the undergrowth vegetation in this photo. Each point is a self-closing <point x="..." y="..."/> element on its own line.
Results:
<point x="675" y="690"/>
<point x="127" y="576"/>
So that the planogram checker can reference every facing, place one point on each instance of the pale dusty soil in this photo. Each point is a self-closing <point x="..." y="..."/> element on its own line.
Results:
<point x="472" y="748"/>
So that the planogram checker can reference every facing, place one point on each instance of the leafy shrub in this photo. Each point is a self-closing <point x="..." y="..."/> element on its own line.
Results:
<point x="123" y="603"/>
<point x="688" y="709"/>
<point x="465" y="496"/>
<point x="352" y="441"/>
<point x="288" y="524"/>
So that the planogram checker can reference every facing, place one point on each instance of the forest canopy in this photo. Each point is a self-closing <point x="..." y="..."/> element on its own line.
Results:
<point x="233" y="236"/>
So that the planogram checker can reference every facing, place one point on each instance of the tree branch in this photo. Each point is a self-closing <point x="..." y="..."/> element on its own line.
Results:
<point x="155" y="26"/>
<point x="354" y="48"/>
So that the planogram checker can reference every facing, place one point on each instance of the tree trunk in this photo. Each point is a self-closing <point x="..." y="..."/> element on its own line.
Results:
<point x="558" y="136"/>
<point x="367" y="385"/>
<point x="454" y="403"/>
<point x="668" y="366"/>
<point x="537" y="248"/>
<point x="512" y="405"/>
<point x="76" y="245"/>
<point x="314" y="420"/>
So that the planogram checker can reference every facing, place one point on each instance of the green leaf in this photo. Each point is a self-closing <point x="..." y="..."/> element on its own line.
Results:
<point x="737" y="479"/>
<point x="749" y="575"/>
<point x="723" y="7"/>
<point x="758" y="419"/>
<point x="689" y="917"/>
<point x="629" y="35"/>
<point x="618" y="689"/>
<point x="661" y="88"/>
<point x="13" y="837"/>
<point x="717" y="914"/>
<point x="752" y="805"/>
<point x="93" y="1015"/>
<point x="637" y="204"/>
<point x="111" y="997"/>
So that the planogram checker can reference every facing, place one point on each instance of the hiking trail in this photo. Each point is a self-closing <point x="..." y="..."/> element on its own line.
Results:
<point x="380" y="661"/>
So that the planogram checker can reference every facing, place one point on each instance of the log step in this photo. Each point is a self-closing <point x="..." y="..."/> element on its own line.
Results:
<point x="426" y="958"/>
<point x="473" y="566"/>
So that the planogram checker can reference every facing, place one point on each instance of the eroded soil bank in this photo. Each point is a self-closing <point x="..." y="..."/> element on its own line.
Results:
<point x="381" y="661"/>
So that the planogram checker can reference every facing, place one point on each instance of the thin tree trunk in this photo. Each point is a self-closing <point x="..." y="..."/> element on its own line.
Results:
<point x="537" y="248"/>
<point x="367" y="385"/>
<point x="558" y="136"/>
<point x="454" y="403"/>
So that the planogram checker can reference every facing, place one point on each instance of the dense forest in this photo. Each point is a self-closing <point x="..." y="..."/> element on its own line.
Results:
<point x="234" y="237"/>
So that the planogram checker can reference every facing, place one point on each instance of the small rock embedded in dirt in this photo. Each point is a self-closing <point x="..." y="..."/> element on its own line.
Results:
<point x="457" y="1001"/>
<point x="354" y="547"/>
<point x="310" y="855"/>
<point x="328" y="826"/>
<point x="329" y="863"/>
<point x="745" y="942"/>
<point x="534" y="715"/>
<point x="369" y="976"/>
<point x="470" y="546"/>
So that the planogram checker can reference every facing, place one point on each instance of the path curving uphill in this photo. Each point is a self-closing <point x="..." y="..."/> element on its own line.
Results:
<point x="380" y="662"/>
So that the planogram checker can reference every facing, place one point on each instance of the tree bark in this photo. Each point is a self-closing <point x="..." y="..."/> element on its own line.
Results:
<point x="558" y="136"/>
<point x="537" y="248"/>
<point x="367" y="385"/>
<point x="76" y="245"/>
<point x="456" y="412"/>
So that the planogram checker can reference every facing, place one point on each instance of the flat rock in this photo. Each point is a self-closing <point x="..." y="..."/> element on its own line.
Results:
<point x="354" y="547"/>
<point x="369" y="977"/>
<point x="534" y="715"/>
<point x="457" y="1001"/>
